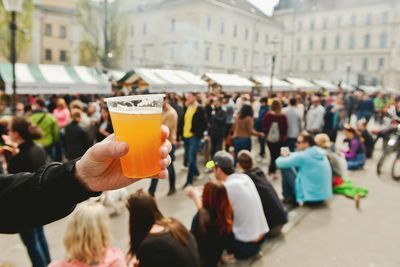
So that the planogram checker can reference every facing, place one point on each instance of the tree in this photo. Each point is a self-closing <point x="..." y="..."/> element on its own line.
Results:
<point x="23" y="34"/>
<point x="103" y="43"/>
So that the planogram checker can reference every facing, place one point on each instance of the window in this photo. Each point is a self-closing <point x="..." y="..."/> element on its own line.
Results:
<point x="48" y="55"/>
<point x="207" y="54"/>
<point x="353" y="20"/>
<point x="266" y="39"/>
<point x="365" y="64"/>
<point x="337" y="42"/>
<point x="63" y="32"/>
<point x="367" y="40"/>
<point x="309" y="65"/>
<point x="369" y="19"/>
<point x="209" y="24"/>
<point x="132" y="30"/>
<point x="235" y="31"/>
<point x="233" y="57"/>
<point x="312" y="25"/>
<point x="257" y="36"/>
<point x="383" y="40"/>
<point x="300" y="26"/>
<point x="47" y="29"/>
<point x="310" y="44"/>
<point x="63" y="56"/>
<point x="381" y="63"/>
<point x="144" y="29"/>
<point x="246" y="34"/>
<point x="299" y="44"/>
<point x="245" y="58"/>
<point x="222" y="28"/>
<point x="173" y="25"/>
<point x="385" y="17"/>
<point x="322" y="65"/>
<point x="339" y="22"/>
<point x="171" y="53"/>
<point x="221" y="55"/>
<point x="351" y="42"/>
<point x="325" y="24"/>
<point x="323" y="43"/>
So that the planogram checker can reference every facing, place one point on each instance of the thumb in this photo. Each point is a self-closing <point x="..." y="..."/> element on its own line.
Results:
<point x="108" y="149"/>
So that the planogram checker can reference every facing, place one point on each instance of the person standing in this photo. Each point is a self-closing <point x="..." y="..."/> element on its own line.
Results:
<point x="332" y="119"/>
<point x="294" y="123"/>
<point x="217" y="127"/>
<point x="76" y="140"/>
<point x="29" y="159"/>
<point x="195" y="123"/>
<point x="258" y="124"/>
<point x="229" y="107"/>
<point x="105" y="125"/>
<point x="275" y="126"/>
<point x="48" y="124"/>
<point x="169" y="119"/>
<point x="315" y="116"/>
<point x="63" y="117"/>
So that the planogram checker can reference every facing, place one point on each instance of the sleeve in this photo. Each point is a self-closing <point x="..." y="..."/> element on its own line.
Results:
<point x="267" y="123"/>
<point x="30" y="200"/>
<point x="353" y="150"/>
<point x="292" y="160"/>
<point x="284" y="128"/>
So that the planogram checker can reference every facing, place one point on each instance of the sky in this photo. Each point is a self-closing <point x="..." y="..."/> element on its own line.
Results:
<point x="265" y="5"/>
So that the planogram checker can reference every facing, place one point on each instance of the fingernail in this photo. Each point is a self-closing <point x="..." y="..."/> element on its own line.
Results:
<point x="120" y="148"/>
<point x="164" y="150"/>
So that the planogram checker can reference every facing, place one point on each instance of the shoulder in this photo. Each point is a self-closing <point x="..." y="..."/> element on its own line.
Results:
<point x="114" y="255"/>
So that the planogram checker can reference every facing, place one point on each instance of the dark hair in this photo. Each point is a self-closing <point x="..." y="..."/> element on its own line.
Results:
<point x="40" y="102"/>
<point x="246" y="111"/>
<point x="293" y="101"/>
<point x="227" y="171"/>
<point x="143" y="214"/>
<point x="25" y="129"/>
<point x="264" y="99"/>
<point x="245" y="160"/>
<point x="215" y="200"/>
<point x="308" y="138"/>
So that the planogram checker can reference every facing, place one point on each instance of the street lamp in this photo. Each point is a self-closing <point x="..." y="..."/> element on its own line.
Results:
<point x="13" y="6"/>
<point x="274" y="42"/>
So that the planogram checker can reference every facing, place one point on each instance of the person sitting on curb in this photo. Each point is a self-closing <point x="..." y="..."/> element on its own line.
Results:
<point x="249" y="223"/>
<point x="274" y="210"/>
<point x="356" y="154"/>
<point x="312" y="180"/>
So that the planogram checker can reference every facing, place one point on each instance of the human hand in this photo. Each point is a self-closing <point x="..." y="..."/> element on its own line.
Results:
<point x="190" y="191"/>
<point x="285" y="152"/>
<point x="99" y="169"/>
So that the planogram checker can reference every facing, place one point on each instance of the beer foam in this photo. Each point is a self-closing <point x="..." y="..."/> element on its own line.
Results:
<point x="136" y="104"/>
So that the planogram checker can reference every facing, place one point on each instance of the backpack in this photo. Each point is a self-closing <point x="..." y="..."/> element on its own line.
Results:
<point x="273" y="133"/>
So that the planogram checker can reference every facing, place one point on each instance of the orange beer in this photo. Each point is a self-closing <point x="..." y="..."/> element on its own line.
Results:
<point x="142" y="133"/>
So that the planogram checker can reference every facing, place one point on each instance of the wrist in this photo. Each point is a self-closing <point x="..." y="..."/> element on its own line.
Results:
<point x="79" y="174"/>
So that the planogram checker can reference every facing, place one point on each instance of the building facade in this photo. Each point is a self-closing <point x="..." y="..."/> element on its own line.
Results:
<point x="202" y="36"/>
<point x="354" y="41"/>
<point x="55" y="34"/>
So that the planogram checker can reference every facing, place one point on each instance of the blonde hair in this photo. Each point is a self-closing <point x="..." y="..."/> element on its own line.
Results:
<point x="61" y="102"/>
<point x="87" y="236"/>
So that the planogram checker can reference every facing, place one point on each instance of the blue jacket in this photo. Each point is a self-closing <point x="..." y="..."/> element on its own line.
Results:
<point x="314" y="175"/>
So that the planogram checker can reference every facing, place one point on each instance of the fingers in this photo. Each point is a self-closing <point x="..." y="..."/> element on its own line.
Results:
<point x="165" y="149"/>
<point x="164" y="133"/>
<point x="108" y="149"/>
<point x="164" y="163"/>
<point x="163" y="174"/>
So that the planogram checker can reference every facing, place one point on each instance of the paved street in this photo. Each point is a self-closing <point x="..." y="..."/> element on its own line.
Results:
<point x="335" y="235"/>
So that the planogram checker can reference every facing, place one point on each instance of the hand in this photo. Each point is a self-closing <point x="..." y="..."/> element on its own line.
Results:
<point x="190" y="192"/>
<point x="284" y="153"/>
<point x="100" y="169"/>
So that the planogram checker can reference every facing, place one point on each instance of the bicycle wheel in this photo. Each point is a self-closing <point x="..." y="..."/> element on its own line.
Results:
<point x="396" y="168"/>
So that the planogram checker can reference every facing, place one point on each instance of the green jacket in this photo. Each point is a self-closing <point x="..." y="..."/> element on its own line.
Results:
<point x="48" y="124"/>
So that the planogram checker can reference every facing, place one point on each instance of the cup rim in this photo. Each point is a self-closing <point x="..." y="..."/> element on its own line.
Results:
<point x="133" y="97"/>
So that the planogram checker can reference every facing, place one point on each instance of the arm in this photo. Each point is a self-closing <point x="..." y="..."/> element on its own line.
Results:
<point x="284" y="128"/>
<point x="267" y="123"/>
<point x="250" y="125"/>
<point x="290" y="161"/>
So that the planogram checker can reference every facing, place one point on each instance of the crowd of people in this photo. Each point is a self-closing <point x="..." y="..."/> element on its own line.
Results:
<point x="237" y="211"/>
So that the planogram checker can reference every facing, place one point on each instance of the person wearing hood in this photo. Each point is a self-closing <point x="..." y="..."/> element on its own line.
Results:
<point x="313" y="179"/>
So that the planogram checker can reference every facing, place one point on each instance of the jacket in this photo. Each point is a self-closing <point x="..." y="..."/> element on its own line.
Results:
<point x="29" y="159"/>
<point x="217" y="123"/>
<point x="199" y="122"/>
<point x="49" y="126"/>
<point x="76" y="141"/>
<point x="314" y="176"/>
<point x="29" y="200"/>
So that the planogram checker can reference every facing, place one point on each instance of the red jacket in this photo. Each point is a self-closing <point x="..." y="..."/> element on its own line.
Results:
<point x="269" y="118"/>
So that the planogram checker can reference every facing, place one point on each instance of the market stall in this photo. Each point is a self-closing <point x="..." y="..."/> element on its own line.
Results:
<point x="303" y="85"/>
<point x="277" y="85"/>
<point x="228" y="82"/>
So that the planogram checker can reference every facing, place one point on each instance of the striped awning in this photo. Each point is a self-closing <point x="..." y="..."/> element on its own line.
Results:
<point x="230" y="82"/>
<point x="302" y="84"/>
<point x="54" y="79"/>
<point x="326" y="85"/>
<point x="277" y="85"/>
<point x="163" y="80"/>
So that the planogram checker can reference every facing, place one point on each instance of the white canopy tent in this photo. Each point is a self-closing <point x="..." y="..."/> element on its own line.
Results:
<point x="326" y="85"/>
<point x="54" y="79"/>
<point x="171" y="81"/>
<point x="369" y="89"/>
<point x="302" y="84"/>
<point x="230" y="82"/>
<point x="277" y="85"/>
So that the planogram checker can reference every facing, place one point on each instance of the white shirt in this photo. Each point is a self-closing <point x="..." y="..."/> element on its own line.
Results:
<point x="249" y="221"/>
<point x="315" y="118"/>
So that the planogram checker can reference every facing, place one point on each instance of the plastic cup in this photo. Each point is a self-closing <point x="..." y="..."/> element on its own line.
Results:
<point x="137" y="121"/>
